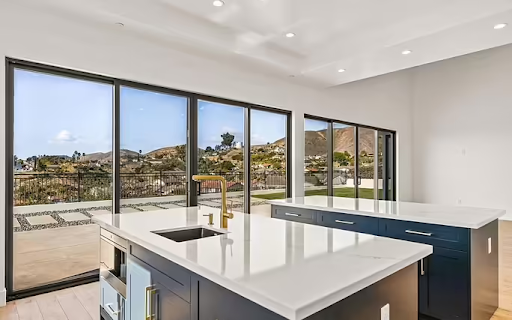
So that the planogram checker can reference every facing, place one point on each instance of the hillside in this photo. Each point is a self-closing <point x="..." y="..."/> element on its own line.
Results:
<point x="106" y="156"/>
<point x="315" y="142"/>
<point x="343" y="140"/>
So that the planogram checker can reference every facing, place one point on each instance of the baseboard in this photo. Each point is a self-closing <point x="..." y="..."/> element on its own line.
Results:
<point x="3" y="297"/>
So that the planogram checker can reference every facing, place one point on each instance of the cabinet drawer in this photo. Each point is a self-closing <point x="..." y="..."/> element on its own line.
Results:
<point x="111" y="301"/>
<point x="294" y="214"/>
<point x="436" y="235"/>
<point x="349" y="222"/>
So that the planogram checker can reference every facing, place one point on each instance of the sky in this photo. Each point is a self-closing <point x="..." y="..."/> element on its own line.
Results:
<point x="56" y="115"/>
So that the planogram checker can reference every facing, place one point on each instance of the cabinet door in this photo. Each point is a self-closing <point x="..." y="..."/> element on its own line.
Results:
<point x="138" y="280"/>
<point x="447" y="273"/>
<point x="217" y="303"/>
<point x="168" y="306"/>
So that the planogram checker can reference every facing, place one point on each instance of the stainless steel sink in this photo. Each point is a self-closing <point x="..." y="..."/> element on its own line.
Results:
<point x="193" y="233"/>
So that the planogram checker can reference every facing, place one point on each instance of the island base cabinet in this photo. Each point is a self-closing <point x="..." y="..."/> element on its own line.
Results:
<point x="167" y="305"/>
<point x="217" y="303"/>
<point x="443" y="285"/>
<point x="149" y="296"/>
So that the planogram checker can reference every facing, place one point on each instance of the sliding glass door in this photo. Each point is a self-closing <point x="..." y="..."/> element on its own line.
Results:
<point x="221" y="152"/>
<point x="153" y="150"/>
<point x="269" y="149"/>
<point x="348" y="160"/>
<point x="315" y="157"/>
<point x="344" y="154"/>
<point x="80" y="145"/>
<point x="62" y="176"/>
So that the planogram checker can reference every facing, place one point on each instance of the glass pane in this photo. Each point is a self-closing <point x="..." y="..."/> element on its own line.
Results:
<point x="268" y="159"/>
<point x="221" y="152"/>
<point x="62" y="176"/>
<point x="366" y="163"/>
<point x="153" y="155"/>
<point x="343" y="160"/>
<point x="315" y="161"/>
<point x="380" y="164"/>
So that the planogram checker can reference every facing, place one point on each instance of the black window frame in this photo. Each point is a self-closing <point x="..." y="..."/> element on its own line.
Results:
<point x="330" y="150"/>
<point x="192" y="150"/>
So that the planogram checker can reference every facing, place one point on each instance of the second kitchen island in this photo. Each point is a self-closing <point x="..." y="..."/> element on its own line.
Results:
<point x="458" y="281"/>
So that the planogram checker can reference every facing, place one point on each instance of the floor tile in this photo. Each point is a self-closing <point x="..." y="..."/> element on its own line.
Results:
<point x="99" y="212"/>
<point x="149" y="208"/>
<point x="170" y="205"/>
<point x="73" y="216"/>
<point x="128" y="210"/>
<point x="39" y="220"/>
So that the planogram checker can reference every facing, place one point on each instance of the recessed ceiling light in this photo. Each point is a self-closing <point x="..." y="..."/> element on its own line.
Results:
<point x="500" y="26"/>
<point x="218" y="3"/>
<point x="406" y="52"/>
<point x="341" y="70"/>
<point x="290" y="35"/>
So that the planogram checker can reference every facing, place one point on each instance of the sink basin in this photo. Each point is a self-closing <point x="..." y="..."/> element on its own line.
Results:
<point x="194" y="233"/>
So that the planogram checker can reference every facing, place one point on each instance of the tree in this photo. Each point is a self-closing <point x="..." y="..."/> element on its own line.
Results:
<point x="209" y="149"/>
<point x="227" y="140"/>
<point x="138" y="155"/>
<point x="83" y="154"/>
<point x="226" y="166"/>
<point x="181" y="152"/>
<point x="238" y="157"/>
<point x="15" y="159"/>
<point x="217" y="148"/>
<point x="342" y="158"/>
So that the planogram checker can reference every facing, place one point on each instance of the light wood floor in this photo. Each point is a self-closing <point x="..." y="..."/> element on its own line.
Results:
<point x="82" y="303"/>
<point x="505" y="237"/>
<point x="78" y="303"/>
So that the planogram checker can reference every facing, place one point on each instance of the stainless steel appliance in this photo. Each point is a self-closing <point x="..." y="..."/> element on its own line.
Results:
<point x="112" y="275"/>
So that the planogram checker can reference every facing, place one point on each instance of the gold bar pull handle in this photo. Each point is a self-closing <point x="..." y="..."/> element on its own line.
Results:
<point x="148" y="310"/>
<point x="422" y="267"/>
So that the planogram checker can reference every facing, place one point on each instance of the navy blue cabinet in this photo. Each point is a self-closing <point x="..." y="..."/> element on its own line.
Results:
<point x="444" y="285"/>
<point x="459" y="281"/>
<point x="348" y="222"/>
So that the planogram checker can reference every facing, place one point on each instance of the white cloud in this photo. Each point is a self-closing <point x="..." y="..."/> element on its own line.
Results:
<point x="64" y="137"/>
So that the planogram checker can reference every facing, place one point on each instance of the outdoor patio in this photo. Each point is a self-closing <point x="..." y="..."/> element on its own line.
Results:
<point x="57" y="241"/>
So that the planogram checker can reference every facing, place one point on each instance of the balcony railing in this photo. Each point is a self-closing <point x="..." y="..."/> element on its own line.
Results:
<point x="48" y="188"/>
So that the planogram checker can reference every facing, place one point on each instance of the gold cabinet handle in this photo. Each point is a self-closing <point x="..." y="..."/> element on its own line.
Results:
<point x="148" y="312"/>
<point x="422" y="268"/>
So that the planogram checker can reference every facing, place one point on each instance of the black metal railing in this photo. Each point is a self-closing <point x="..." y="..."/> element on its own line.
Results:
<point x="48" y="188"/>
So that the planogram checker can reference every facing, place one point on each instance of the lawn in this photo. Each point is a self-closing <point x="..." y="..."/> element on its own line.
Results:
<point x="338" y="192"/>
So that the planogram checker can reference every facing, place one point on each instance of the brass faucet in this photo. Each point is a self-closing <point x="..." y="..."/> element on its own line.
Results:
<point x="225" y="215"/>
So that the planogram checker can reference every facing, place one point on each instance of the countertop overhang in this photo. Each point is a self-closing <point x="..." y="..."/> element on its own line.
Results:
<point x="453" y="216"/>
<point x="292" y="269"/>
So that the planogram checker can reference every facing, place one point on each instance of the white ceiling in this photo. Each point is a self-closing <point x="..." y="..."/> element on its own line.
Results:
<point x="365" y="37"/>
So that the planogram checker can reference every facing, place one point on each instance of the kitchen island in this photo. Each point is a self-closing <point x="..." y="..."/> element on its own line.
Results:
<point x="259" y="268"/>
<point x="458" y="281"/>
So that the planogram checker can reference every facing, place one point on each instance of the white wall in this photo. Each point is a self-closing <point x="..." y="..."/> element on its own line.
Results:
<point x="462" y="129"/>
<point x="107" y="49"/>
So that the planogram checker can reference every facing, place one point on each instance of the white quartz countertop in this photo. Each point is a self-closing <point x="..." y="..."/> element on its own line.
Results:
<point x="453" y="216"/>
<point x="292" y="269"/>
